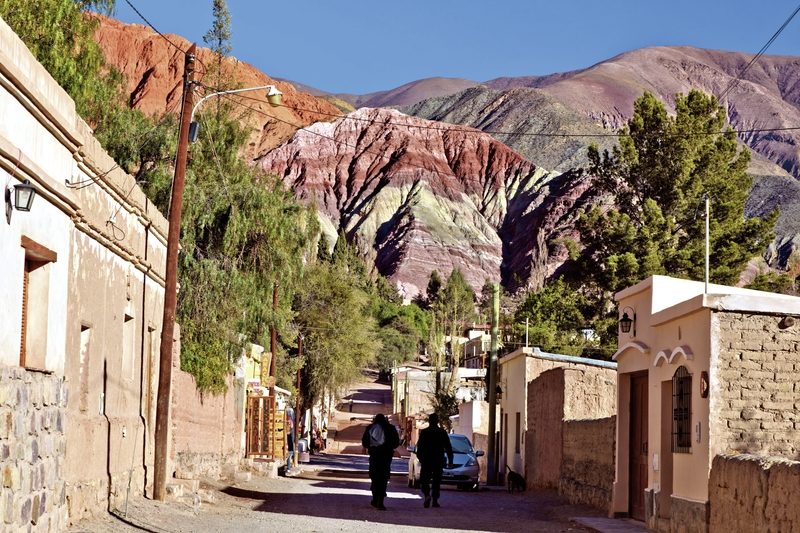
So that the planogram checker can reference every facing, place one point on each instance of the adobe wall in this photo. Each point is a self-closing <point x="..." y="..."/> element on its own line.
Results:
<point x="544" y="439"/>
<point x="753" y="493"/>
<point x="587" y="465"/>
<point x="207" y="430"/>
<point x="570" y="441"/>
<point x="32" y="442"/>
<point x="754" y="396"/>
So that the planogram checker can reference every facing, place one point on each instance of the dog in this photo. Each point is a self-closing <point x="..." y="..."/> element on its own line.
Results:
<point x="516" y="482"/>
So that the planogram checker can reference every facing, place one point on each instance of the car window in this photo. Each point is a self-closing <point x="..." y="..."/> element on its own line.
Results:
<point x="460" y="444"/>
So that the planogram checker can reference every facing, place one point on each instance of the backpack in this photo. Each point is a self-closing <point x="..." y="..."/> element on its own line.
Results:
<point x="376" y="436"/>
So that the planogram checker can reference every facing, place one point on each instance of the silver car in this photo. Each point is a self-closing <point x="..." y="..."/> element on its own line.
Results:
<point x="465" y="473"/>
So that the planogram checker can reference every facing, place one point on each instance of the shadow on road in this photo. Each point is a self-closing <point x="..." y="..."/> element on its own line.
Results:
<point x="345" y="495"/>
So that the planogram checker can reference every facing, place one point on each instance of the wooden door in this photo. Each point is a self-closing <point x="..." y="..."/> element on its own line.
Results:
<point x="638" y="446"/>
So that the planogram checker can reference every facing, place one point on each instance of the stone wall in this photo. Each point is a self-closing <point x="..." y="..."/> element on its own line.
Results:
<point x="32" y="443"/>
<point x="751" y="493"/>
<point x="587" y="464"/>
<point x="755" y="406"/>
<point x="207" y="430"/>
<point x="570" y="441"/>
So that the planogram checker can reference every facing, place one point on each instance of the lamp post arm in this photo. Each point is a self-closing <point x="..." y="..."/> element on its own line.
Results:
<point x="272" y="91"/>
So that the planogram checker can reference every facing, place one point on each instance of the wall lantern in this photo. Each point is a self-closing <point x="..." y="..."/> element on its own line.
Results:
<point x="23" y="196"/>
<point x="626" y="323"/>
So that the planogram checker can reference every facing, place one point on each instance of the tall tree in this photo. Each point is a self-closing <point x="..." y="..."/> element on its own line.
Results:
<point x="454" y="308"/>
<point x="658" y="177"/>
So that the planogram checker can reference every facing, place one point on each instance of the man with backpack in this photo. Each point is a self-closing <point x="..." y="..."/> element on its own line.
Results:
<point x="380" y="438"/>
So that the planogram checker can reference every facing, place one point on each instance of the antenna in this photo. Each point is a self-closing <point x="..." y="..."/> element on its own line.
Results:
<point x="708" y="202"/>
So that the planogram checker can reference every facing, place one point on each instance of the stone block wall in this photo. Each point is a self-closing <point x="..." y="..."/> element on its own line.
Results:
<point x="587" y="465"/>
<point x="752" y="493"/>
<point x="207" y="430"/>
<point x="32" y="450"/>
<point x="755" y="396"/>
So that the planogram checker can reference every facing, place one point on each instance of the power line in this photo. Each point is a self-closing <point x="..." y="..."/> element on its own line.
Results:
<point x="152" y="27"/>
<point x="355" y="147"/>
<point x="477" y="131"/>
<point x="775" y="35"/>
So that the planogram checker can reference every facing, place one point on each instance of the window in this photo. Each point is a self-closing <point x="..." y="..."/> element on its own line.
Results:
<point x="681" y="411"/>
<point x="517" y="434"/>
<point x="35" y="296"/>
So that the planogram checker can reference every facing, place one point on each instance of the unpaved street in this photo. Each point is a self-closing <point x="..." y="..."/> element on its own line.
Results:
<point x="327" y="498"/>
<point x="332" y="494"/>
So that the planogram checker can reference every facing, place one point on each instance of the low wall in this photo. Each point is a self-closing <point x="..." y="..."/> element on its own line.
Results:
<point x="32" y="447"/>
<point x="587" y="465"/>
<point x="207" y="430"/>
<point x="752" y="493"/>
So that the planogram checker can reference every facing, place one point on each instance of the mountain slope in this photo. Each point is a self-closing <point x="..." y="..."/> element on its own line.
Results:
<point x="410" y="93"/>
<point x="416" y="195"/>
<point x="530" y="115"/>
<point x="153" y="73"/>
<point x="768" y="96"/>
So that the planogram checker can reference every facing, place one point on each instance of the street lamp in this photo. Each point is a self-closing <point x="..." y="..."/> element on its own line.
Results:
<point x="274" y="98"/>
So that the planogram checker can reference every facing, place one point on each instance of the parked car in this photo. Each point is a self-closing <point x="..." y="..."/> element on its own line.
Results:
<point x="465" y="473"/>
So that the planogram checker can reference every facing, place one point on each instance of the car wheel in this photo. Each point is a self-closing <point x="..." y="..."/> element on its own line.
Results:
<point x="462" y="486"/>
<point x="410" y="483"/>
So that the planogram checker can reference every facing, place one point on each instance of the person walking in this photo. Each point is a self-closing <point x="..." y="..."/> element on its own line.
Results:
<point x="432" y="446"/>
<point x="380" y="438"/>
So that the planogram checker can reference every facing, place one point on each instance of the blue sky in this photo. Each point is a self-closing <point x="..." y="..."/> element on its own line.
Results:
<point x="361" y="46"/>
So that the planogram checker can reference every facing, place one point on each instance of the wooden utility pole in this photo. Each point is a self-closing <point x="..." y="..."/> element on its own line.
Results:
<point x="491" y="468"/>
<point x="171" y="284"/>
<point x="297" y="403"/>
<point x="273" y="341"/>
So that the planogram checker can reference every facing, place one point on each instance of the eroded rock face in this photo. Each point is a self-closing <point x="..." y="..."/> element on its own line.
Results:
<point x="153" y="72"/>
<point x="417" y="195"/>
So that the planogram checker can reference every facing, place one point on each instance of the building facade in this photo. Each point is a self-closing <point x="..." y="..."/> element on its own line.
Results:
<point x="700" y="374"/>
<point x="82" y="286"/>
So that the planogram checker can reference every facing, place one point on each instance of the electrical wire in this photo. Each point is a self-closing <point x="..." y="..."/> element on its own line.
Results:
<point x="355" y="147"/>
<point x="477" y="131"/>
<point x="152" y="27"/>
<point x="760" y="53"/>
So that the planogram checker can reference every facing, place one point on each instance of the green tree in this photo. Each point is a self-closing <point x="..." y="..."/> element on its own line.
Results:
<point x="555" y="313"/>
<point x="658" y="176"/>
<point x="340" y="338"/>
<point x="453" y="309"/>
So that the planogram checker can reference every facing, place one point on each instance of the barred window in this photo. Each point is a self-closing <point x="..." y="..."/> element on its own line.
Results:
<point x="681" y="411"/>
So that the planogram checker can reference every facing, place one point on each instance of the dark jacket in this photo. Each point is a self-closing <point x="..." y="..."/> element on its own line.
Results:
<point x="432" y="445"/>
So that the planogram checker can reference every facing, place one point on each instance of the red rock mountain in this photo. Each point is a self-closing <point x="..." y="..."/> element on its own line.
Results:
<point x="153" y="71"/>
<point x="417" y="195"/>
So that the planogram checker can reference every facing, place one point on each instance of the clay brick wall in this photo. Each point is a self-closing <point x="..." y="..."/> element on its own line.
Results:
<point x="207" y="430"/>
<point x="569" y="444"/>
<point x="32" y="444"/>
<point x="752" y="493"/>
<point x="587" y="464"/>
<point x="543" y="440"/>
<point x="758" y="386"/>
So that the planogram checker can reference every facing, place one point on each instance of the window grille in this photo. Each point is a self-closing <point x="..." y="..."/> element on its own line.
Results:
<point x="681" y="411"/>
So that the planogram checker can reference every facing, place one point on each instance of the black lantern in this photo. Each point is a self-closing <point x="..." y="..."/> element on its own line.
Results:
<point x="23" y="196"/>
<point x="626" y="322"/>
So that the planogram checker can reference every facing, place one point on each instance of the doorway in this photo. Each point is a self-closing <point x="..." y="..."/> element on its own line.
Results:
<point x="638" y="446"/>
